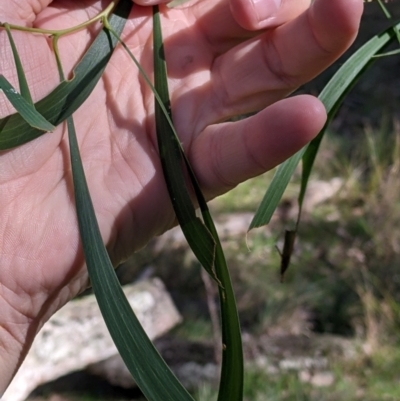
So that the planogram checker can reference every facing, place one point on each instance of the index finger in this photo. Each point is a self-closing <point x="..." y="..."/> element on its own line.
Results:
<point x="272" y="65"/>
<point x="261" y="14"/>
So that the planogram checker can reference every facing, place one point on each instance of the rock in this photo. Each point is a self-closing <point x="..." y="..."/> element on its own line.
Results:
<point x="76" y="336"/>
<point x="309" y="356"/>
<point x="299" y="363"/>
<point x="318" y="379"/>
<point x="320" y="191"/>
<point x="192" y="375"/>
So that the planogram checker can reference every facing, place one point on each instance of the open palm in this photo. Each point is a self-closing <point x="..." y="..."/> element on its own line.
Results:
<point x="217" y="69"/>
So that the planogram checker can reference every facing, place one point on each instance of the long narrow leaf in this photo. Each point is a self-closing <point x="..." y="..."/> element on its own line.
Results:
<point x="199" y="238"/>
<point x="23" y="84"/>
<point x="275" y="190"/>
<point x="338" y="87"/>
<point x="232" y="364"/>
<point x="149" y="370"/>
<point x="142" y="359"/>
<point x="331" y="96"/>
<point x="384" y="9"/>
<point x="395" y="29"/>
<point x="194" y="230"/>
<point x="69" y="95"/>
<point x="231" y="383"/>
<point x="232" y="369"/>
<point x="27" y="111"/>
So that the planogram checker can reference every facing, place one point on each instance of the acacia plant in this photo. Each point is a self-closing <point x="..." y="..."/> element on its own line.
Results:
<point x="32" y="120"/>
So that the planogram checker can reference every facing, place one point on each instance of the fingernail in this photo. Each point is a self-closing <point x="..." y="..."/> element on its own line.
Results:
<point x="266" y="8"/>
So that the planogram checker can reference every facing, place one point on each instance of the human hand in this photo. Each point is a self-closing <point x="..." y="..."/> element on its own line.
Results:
<point x="222" y="62"/>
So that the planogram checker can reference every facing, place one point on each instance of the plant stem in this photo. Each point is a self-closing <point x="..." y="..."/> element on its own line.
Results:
<point x="61" y="32"/>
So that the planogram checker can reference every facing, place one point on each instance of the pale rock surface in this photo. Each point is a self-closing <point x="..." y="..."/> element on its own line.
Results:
<point x="317" y="379"/>
<point x="317" y="193"/>
<point x="320" y="191"/>
<point x="76" y="336"/>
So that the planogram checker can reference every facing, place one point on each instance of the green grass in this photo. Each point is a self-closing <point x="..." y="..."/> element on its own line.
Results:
<point x="194" y="330"/>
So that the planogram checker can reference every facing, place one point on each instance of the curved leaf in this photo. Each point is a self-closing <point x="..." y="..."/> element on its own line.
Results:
<point x="231" y="382"/>
<point x="23" y="84"/>
<point x="332" y="96"/>
<point x="199" y="238"/>
<point x="26" y="109"/>
<point x="149" y="370"/>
